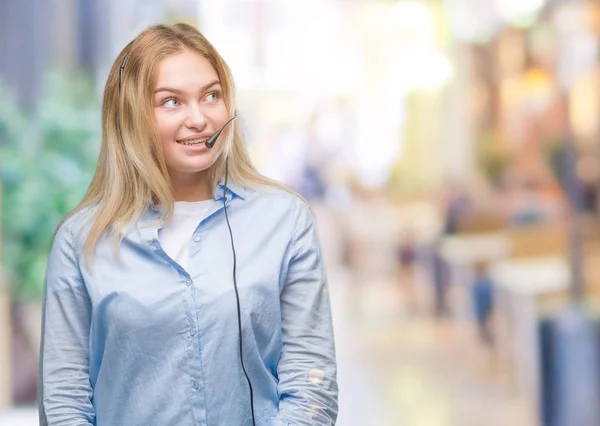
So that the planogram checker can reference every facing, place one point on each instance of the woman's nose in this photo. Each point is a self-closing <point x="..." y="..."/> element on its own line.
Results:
<point x="195" y="118"/>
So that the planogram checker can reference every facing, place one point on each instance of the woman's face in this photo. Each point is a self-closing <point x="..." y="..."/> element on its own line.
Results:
<point x="188" y="108"/>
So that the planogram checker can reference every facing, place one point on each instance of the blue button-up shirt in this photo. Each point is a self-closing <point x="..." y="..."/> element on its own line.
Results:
<point x="142" y="341"/>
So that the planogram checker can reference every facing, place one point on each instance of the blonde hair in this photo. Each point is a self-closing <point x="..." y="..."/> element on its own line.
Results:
<point x="131" y="171"/>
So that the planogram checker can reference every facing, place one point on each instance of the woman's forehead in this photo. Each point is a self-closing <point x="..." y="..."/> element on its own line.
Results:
<point x="185" y="71"/>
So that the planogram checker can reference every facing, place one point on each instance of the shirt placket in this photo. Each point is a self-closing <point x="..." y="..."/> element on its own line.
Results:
<point x="192" y="308"/>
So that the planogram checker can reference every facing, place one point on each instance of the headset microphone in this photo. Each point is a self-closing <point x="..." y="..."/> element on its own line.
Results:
<point x="213" y="139"/>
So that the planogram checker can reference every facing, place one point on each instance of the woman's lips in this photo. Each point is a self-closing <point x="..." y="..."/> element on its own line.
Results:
<point x="192" y="142"/>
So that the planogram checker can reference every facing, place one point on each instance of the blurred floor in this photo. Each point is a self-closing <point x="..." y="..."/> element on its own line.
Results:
<point x="19" y="417"/>
<point x="398" y="369"/>
<point x="398" y="366"/>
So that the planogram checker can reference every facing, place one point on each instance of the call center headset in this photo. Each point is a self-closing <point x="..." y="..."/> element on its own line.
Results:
<point x="210" y="143"/>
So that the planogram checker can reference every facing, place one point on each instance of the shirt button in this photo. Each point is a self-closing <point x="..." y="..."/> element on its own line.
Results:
<point x="188" y="282"/>
<point x="197" y="238"/>
<point x="195" y="384"/>
<point x="192" y="332"/>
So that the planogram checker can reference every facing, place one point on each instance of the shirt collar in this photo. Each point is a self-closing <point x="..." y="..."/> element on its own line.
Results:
<point x="153" y="213"/>
<point x="233" y="189"/>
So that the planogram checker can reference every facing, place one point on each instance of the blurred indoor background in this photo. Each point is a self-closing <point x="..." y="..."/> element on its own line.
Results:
<point x="451" y="152"/>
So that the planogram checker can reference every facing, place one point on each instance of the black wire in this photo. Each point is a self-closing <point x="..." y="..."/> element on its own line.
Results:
<point x="237" y="296"/>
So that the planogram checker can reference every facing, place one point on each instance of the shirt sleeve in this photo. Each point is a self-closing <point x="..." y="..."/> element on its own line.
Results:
<point x="65" y="391"/>
<point x="307" y="369"/>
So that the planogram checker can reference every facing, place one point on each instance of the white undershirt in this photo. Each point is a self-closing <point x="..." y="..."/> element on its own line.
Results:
<point x="175" y="236"/>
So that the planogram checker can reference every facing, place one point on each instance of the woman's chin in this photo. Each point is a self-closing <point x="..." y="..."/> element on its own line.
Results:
<point x="192" y="165"/>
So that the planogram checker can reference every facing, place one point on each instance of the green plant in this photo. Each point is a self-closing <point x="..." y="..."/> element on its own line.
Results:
<point x="47" y="159"/>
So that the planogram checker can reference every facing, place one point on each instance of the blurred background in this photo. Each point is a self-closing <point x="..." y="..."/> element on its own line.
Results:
<point x="450" y="149"/>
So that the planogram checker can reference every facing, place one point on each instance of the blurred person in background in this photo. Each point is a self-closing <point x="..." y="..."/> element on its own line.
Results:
<point x="407" y="257"/>
<point x="142" y="320"/>
<point x="482" y="297"/>
<point x="455" y="204"/>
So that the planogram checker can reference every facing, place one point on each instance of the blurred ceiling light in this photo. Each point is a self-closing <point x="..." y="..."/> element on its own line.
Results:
<point x="421" y="68"/>
<point x="409" y="14"/>
<point x="519" y="12"/>
<point x="472" y="20"/>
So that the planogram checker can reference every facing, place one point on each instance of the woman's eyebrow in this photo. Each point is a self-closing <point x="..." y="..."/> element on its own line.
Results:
<point x="179" y="92"/>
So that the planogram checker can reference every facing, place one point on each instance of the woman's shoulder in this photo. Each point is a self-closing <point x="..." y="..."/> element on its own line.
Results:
<point x="75" y="224"/>
<point x="280" y="199"/>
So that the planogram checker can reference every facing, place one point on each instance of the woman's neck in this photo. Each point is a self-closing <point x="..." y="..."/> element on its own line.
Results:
<point x="191" y="187"/>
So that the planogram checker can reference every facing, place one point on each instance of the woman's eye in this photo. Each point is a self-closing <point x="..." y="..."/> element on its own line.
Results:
<point x="211" y="97"/>
<point x="171" y="103"/>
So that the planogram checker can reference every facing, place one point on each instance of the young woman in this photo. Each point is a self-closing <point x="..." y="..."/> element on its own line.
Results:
<point x="186" y="288"/>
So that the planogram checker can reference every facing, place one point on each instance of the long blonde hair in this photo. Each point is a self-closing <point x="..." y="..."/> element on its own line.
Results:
<point x="131" y="171"/>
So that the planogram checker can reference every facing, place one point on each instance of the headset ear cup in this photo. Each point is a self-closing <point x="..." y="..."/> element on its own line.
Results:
<point x="121" y="68"/>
